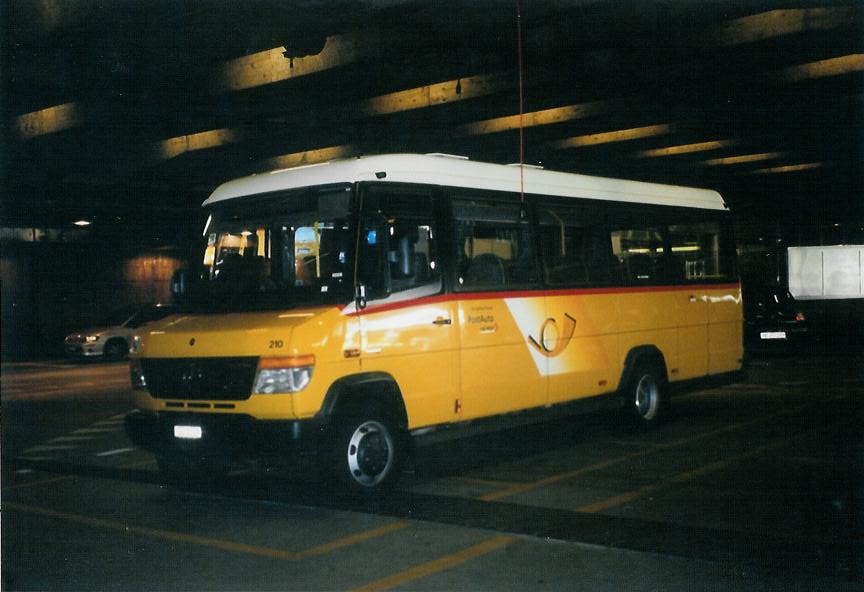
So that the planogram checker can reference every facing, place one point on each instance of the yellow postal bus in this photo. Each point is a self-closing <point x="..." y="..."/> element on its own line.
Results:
<point x="357" y="303"/>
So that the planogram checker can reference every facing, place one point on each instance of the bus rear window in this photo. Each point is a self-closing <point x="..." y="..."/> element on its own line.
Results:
<point x="700" y="252"/>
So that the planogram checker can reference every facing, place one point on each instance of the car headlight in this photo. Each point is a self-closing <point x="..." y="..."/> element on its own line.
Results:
<point x="91" y="338"/>
<point x="283" y="375"/>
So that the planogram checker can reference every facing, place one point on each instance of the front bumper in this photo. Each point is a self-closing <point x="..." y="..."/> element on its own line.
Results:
<point x="79" y="350"/>
<point x="228" y="436"/>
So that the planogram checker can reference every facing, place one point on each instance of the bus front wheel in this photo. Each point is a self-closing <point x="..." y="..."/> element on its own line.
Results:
<point x="368" y="451"/>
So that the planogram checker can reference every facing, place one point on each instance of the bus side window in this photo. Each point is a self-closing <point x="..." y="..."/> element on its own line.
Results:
<point x="574" y="250"/>
<point x="493" y="247"/>
<point x="638" y="254"/>
<point x="697" y="252"/>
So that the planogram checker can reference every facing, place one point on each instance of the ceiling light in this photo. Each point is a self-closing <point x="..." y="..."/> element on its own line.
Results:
<point x="295" y="159"/>
<point x="431" y="95"/>
<point x="609" y="137"/>
<point x="82" y="223"/>
<point x="685" y="149"/>
<point x="48" y="121"/>
<point x="420" y="97"/>
<point x="781" y="22"/>
<point x="270" y="66"/>
<point x="742" y="159"/>
<point x="532" y="119"/>
<point x="792" y="168"/>
<point x="173" y="147"/>
<point x="823" y="68"/>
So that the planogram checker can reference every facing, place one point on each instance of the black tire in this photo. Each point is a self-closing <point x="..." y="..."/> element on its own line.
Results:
<point x="646" y="394"/>
<point x="189" y="474"/>
<point x="368" y="452"/>
<point x="115" y="349"/>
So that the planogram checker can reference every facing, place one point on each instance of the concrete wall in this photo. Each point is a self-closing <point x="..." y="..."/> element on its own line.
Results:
<point x="51" y="289"/>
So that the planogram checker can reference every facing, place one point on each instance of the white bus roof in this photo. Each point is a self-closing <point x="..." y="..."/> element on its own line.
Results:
<point x="460" y="172"/>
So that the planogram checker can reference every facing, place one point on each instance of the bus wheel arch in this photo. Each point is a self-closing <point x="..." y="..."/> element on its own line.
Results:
<point x="369" y="443"/>
<point x="645" y="386"/>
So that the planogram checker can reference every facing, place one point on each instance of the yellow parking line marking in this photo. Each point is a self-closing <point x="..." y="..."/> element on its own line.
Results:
<point x="350" y="540"/>
<point x="201" y="541"/>
<point x="492" y="482"/>
<point x="50" y="480"/>
<point x="151" y="532"/>
<point x="437" y="565"/>
<point x="525" y="487"/>
<point x="691" y="475"/>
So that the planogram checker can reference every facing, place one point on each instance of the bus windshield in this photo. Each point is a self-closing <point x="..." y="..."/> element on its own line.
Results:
<point x="277" y="251"/>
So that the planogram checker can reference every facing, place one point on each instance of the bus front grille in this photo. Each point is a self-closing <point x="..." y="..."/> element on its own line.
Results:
<point x="217" y="379"/>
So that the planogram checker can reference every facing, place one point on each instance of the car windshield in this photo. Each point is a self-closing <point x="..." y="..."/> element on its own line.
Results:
<point x="148" y="314"/>
<point x="772" y="298"/>
<point x="118" y="317"/>
<point x="277" y="251"/>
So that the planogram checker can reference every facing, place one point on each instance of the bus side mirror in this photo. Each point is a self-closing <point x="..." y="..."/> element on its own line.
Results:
<point x="360" y="296"/>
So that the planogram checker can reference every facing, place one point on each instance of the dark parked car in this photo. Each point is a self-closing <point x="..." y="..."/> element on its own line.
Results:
<point x="773" y="320"/>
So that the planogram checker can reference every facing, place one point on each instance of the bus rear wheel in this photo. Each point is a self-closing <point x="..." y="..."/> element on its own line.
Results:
<point x="368" y="451"/>
<point x="646" y="394"/>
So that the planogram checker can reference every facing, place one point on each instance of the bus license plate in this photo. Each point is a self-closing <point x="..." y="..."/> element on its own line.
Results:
<point x="773" y="335"/>
<point x="187" y="432"/>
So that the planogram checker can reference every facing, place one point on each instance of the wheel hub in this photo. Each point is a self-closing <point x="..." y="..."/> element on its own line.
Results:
<point x="646" y="395"/>
<point x="370" y="453"/>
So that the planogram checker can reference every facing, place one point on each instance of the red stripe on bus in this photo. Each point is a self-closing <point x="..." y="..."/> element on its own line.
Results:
<point x="456" y="296"/>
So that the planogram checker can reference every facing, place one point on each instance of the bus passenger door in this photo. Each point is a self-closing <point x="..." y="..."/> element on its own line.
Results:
<point x="691" y="313"/>
<point x="694" y="257"/>
<point x="712" y="257"/>
<point x="577" y="337"/>
<point x="497" y="313"/>
<point x="406" y="326"/>
<point x="649" y="310"/>
<point x="579" y="341"/>
<point x="499" y="371"/>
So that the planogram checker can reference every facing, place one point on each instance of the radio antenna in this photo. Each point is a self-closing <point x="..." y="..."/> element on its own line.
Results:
<point x="521" y="107"/>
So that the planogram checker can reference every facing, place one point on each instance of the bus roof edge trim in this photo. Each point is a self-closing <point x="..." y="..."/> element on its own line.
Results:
<point x="451" y="172"/>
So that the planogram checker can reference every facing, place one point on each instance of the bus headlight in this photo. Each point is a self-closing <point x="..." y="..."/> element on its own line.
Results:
<point x="283" y="375"/>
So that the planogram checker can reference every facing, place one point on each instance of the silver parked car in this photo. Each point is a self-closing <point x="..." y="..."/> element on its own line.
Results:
<point x="112" y="338"/>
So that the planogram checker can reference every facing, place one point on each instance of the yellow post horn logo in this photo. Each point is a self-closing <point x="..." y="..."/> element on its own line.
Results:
<point x="560" y="342"/>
